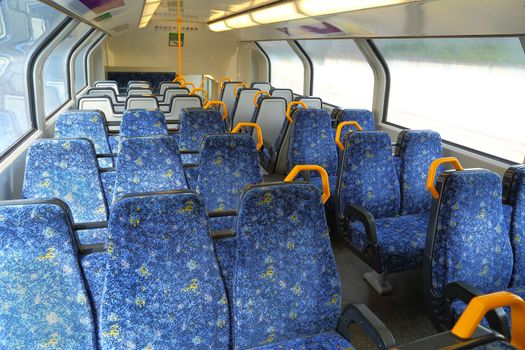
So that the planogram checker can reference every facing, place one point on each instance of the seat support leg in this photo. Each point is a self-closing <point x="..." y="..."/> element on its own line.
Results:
<point x="378" y="282"/>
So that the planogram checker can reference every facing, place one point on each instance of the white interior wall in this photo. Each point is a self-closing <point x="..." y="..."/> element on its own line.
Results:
<point x="204" y="52"/>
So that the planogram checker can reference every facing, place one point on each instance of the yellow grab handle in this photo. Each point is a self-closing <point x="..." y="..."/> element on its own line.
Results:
<point x="237" y="86"/>
<point x="289" y="109"/>
<point x="220" y="103"/>
<point x="179" y="79"/>
<point x="431" y="177"/>
<point x="257" y="129"/>
<point x="188" y="83"/>
<point x="205" y="93"/>
<point x="259" y="93"/>
<point x="324" y="177"/>
<point x="340" y="130"/>
<point x="479" y="306"/>
<point x="223" y="80"/>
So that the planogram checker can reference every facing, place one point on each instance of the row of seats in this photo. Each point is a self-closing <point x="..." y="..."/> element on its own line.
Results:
<point x="162" y="285"/>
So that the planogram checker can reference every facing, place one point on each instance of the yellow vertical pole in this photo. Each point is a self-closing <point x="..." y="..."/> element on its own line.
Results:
<point x="179" y="73"/>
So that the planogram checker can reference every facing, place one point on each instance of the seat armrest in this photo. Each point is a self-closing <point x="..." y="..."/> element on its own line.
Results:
<point x="353" y="211"/>
<point x="369" y="322"/>
<point x="496" y="318"/>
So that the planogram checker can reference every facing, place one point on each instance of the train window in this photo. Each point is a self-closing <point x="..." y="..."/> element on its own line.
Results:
<point x="468" y="89"/>
<point x="342" y="76"/>
<point x="287" y="69"/>
<point x="56" y="68"/>
<point x="20" y="40"/>
<point x="80" y="69"/>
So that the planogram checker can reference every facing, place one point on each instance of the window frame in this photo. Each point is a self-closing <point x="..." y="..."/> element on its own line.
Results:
<point x="97" y="41"/>
<point x="82" y="43"/>
<point x="397" y="127"/>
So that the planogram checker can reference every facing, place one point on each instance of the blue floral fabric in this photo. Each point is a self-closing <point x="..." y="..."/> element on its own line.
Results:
<point x="517" y="227"/>
<point x="269" y="158"/>
<point x="85" y="124"/>
<point x="368" y="176"/>
<point x="113" y="143"/>
<point x="364" y="117"/>
<point x="470" y="224"/>
<point x="67" y="170"/>
<point x="401" y="241"/>
<point x="148" y="164"/>
<point x="143" y="122"/>
<point x="94" y="267"/>
<point x="108" y="184"/>
<point x="195" y="124"/>
<point x="311" y="141"/>
<point x="228" y="163"/>
<point x="323" y="341"/>
<point x="418" y="149"/>
<point x="44" y="299"/>
<point x="163" y="286"/>
<point x="274" y="300"/>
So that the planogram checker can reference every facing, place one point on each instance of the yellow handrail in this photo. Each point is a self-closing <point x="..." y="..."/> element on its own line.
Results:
<point x="289" y="109"/>
<point x="257" y="94"/>
<point x="257" y="128"/>
<point x="194" y="91"/>
<point x="324" y="177"/>
<point x="432" y="170"/>
<point x="186" y="83"/>
<point x="237" y="86"/>
<point x="479" y="306"/>
<point x="340" y="129"/>
<point x="223" y="80"/>
<point x="220" y="103"/>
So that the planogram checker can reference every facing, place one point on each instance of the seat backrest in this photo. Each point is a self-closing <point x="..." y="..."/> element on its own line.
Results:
<point x="178" y="103"/>
<point x="364" y="117"/>
<point x="311" y="141"/>
<point x="109" y="84"/>
<point x="142" y="102"/>
<point x="172" y="92"/>
<point x="271" y="117"/>
<point x="100" y="103"/>
<point x="195" y="124"/>
<point x="228" y="96"/>
<point x="167" y="85"/>
<point x="367" y="176"/>
<point x="143" y="122"/>
<point x="262" y="86"/>
<point x="45" y="300"/>
<point x="99" y="91"/>
<point x="278" y="226"/>
<point x="466" y="238"/>
<point x="138" y="85"/>
<point x="235" y="158"/>
<point x="163" y="285"/>
<point x="148" y="164"/>
<point x="85" y="124"/>
<point x="516" y="199"/>
<point x="416" y="149"/>
<point x="311" y="102"/>
<point x="140" y="92"/>
<point x="66" y="169"/>
<point x="287" y="94"/>
<point x="244" y="107"/>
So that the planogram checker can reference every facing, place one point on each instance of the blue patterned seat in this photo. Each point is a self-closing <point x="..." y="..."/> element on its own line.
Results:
<point x="274" y="301"/>
<point x="86" y="124"/>
<point x="323" y="341"/>
<point x="367" y="179"/>
<point x="195" y="124"/>
<point x="94" y="268"/>
<point x="143" y="122"/>
<point x="364" y="117"/>
<point x="148" y="164"/>
<point x="44" y="299"/>
<point x="467" y="242"/>
<point x="163" y="286"/>
<point x="67" y="170"/>
<point x="311" y="142"/>
<point x="416" y="149"/>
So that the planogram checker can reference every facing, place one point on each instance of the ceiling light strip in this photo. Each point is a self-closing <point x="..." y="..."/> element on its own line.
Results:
<point x="150" y="7"/>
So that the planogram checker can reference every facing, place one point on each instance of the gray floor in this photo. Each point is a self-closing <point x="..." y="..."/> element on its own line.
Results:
<point x="402" y="311"/>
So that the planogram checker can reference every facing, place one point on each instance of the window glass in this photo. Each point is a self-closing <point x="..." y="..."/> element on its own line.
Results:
<point x="342" y="76"/>
<point x="80" y="67"/>
<point x="287" y="69"/>
<point x="468" y="89"/>
<point x="19" y="40"/>
<point x="55" y="72"/>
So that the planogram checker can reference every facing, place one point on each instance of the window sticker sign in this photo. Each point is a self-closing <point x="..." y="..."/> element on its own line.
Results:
<point x="174" y="39"/>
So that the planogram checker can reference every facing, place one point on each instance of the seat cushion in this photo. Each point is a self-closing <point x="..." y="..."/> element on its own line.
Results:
<point x="323" y="341"/>
<point x="401" y="241"/>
